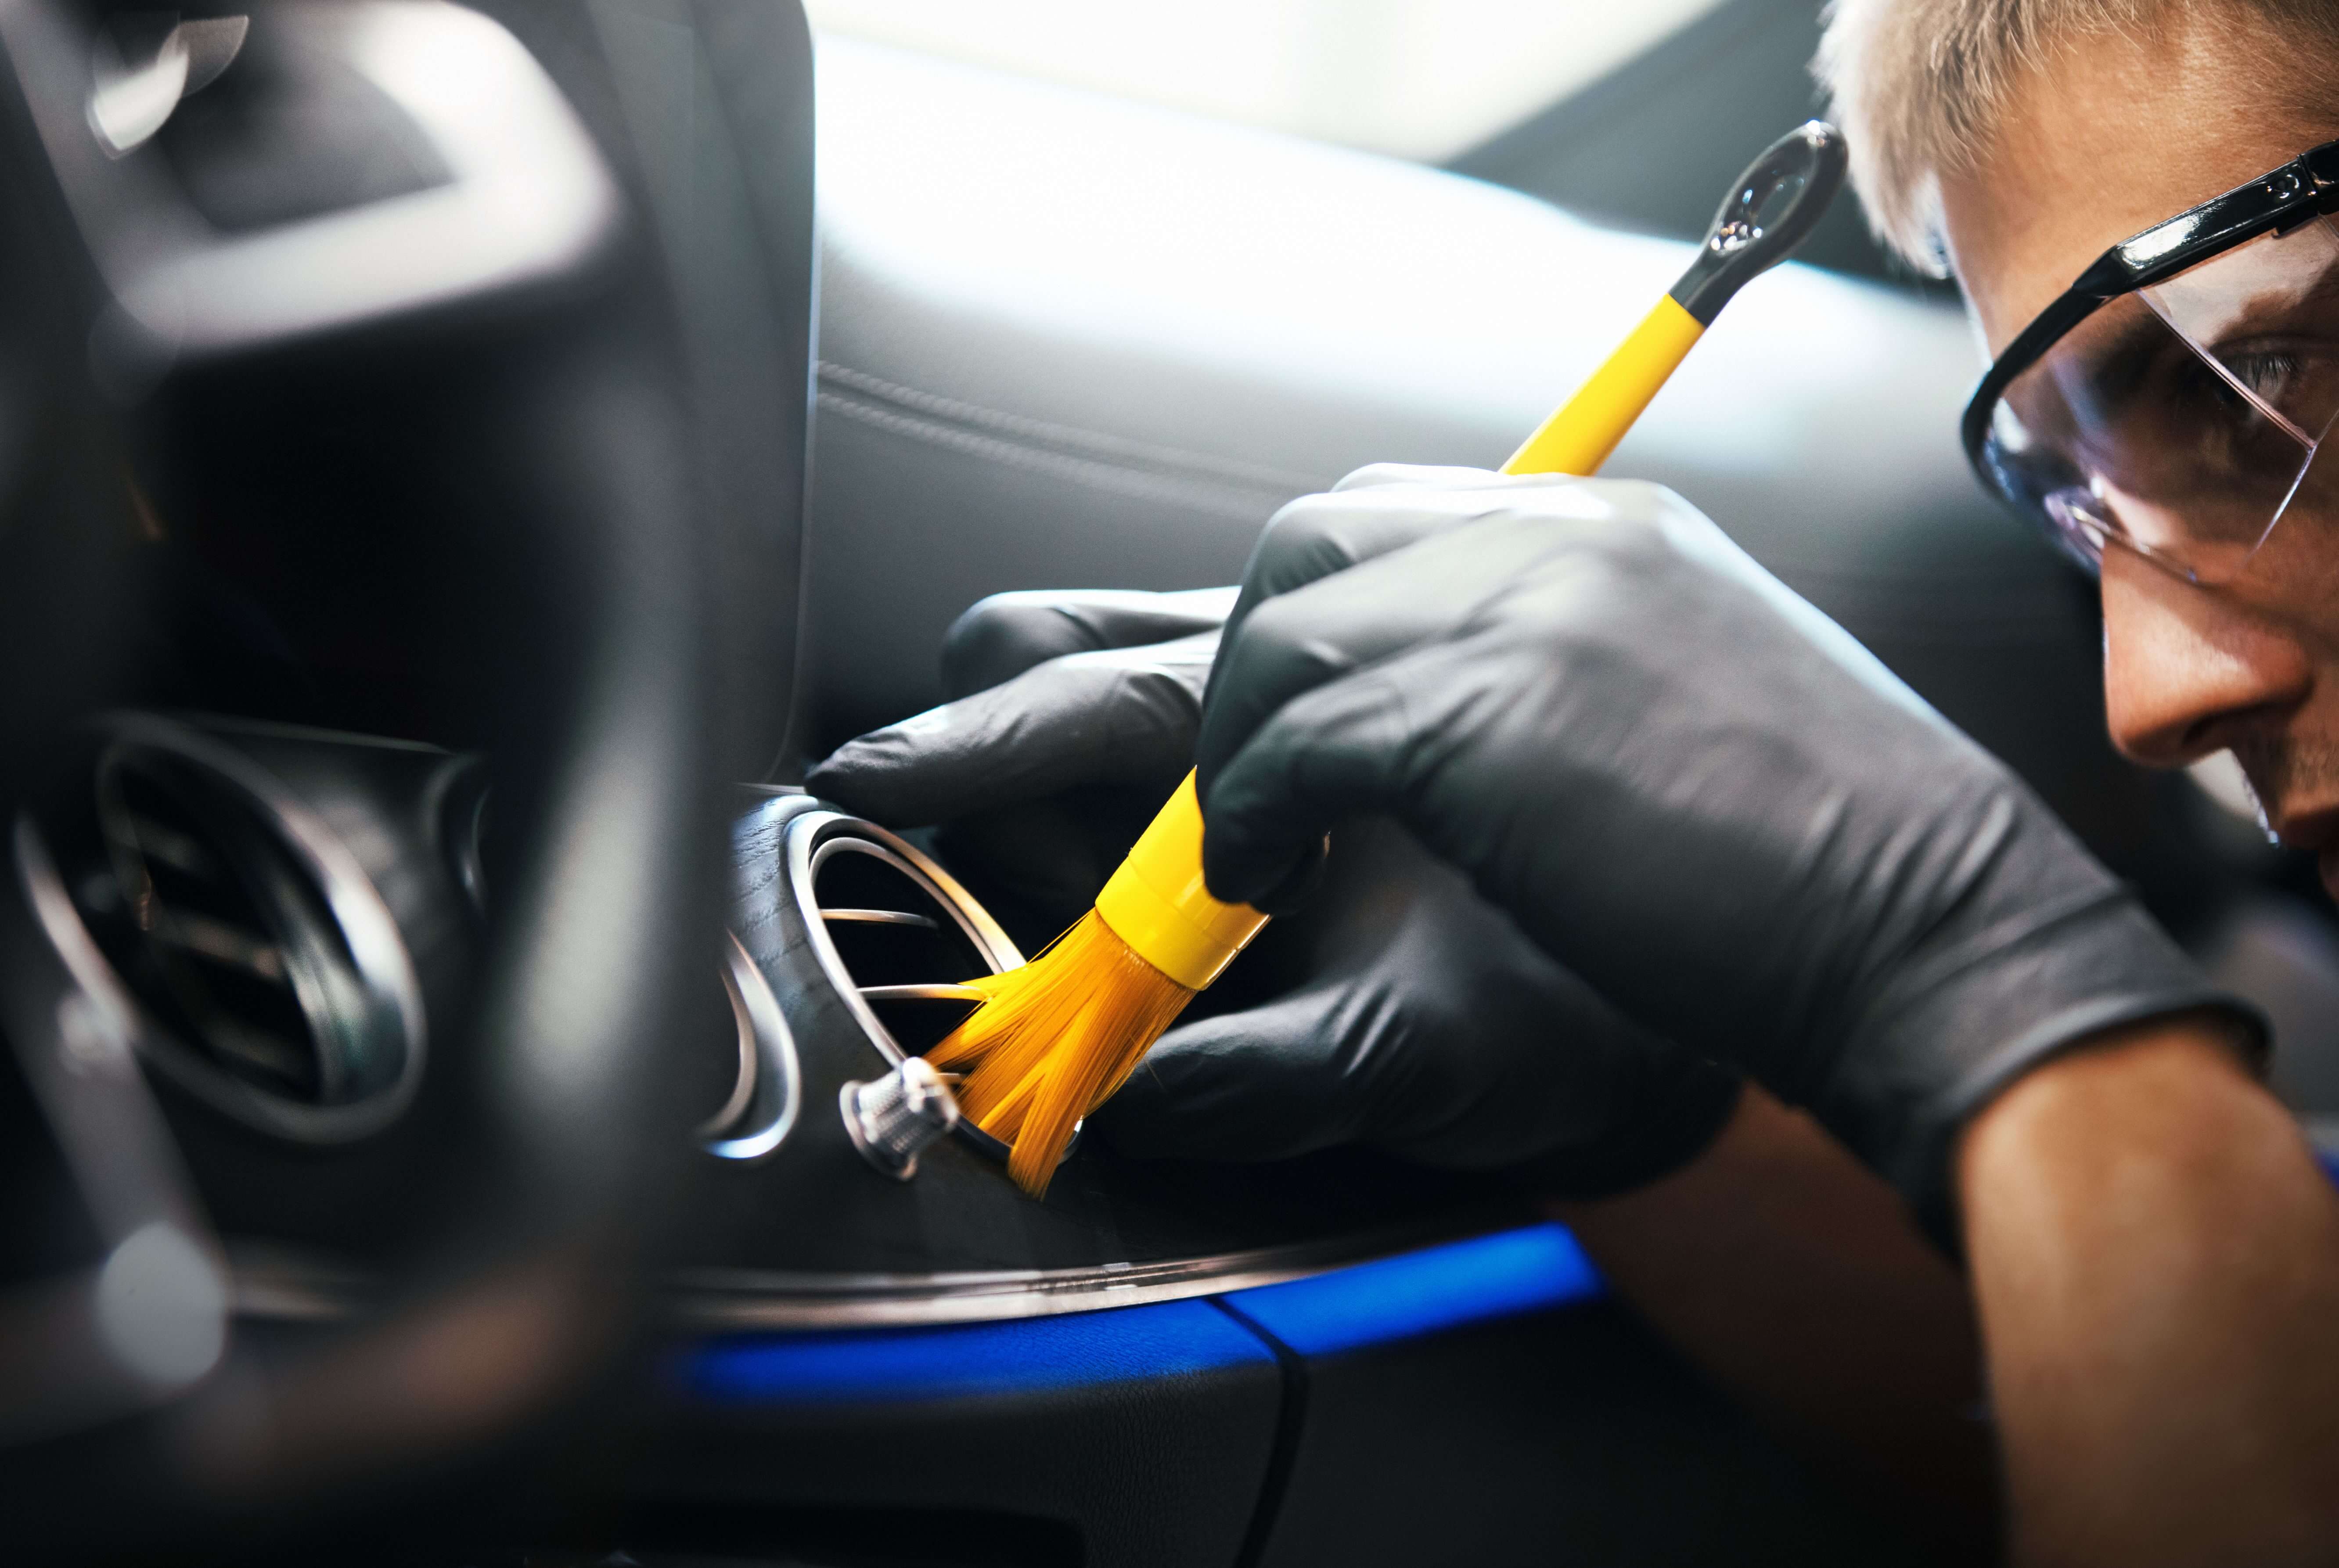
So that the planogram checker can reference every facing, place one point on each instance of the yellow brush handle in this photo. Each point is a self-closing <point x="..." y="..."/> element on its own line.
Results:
<point x="1583" y="431"/>
<point x="1156" y="902"/>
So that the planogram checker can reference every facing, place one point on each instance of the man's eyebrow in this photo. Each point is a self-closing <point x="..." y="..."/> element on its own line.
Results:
<point x="2325" y="290"/>
<point x="2320" y="295"/>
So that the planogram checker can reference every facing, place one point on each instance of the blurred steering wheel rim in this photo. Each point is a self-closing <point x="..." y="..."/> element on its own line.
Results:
<point x="608" y="910"/>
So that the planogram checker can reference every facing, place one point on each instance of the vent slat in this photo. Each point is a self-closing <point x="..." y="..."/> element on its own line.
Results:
<point x="931" y="993"/>
<point x="160" y="841"/>
<point x="220" y="943"/>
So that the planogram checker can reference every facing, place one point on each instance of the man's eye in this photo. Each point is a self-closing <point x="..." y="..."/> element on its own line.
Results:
<point x="2211" y="402"/>
<point x="2217" y="430"/>
<point x="2269" y="374"/>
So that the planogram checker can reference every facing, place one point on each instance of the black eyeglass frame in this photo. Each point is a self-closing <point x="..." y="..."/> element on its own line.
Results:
<point x="2276" y="202"/>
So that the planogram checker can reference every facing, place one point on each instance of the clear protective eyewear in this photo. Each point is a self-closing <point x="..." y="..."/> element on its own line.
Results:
<point x="2174" y="400"/>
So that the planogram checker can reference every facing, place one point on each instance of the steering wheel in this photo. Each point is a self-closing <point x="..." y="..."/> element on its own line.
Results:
<point x="386" y="306"/>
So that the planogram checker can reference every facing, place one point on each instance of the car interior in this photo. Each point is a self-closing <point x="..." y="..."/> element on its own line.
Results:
<point x="462" y="462"/>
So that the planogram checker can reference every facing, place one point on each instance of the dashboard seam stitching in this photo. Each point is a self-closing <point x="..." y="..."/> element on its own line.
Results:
<point x="1228" y="501"/>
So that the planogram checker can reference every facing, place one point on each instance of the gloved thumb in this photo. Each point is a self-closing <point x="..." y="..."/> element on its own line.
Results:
<point x="1243" y="1086"/>
<point x="1123" y="716"/>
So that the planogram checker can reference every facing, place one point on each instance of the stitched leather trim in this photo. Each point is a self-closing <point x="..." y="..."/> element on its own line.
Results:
<point x="1239" y="503"/>
<point x="1070" y="439"/>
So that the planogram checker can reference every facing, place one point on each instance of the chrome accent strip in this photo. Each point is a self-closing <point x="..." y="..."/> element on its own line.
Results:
<point x="879" y="917"/>
<point x="721" y="1299"/>
<point x="279" y="1287"/>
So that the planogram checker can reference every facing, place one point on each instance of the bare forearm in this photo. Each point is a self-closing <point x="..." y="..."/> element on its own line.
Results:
<point x="1794" y="1276"/>
<point x="2156" y="1259"/>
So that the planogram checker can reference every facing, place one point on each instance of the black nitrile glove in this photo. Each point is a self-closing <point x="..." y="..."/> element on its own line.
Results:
<point x="1075" y="720"/>
<point x="1424" y="1024"/>
<point x="1409" y="1015"/>
<point x="1685" y="784"/>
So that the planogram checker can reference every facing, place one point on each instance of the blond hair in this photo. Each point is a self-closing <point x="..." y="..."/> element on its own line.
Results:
<point x="1918" y="86"/>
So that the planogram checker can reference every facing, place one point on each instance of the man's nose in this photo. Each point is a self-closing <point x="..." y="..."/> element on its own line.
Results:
<point x="2188" y="670"/>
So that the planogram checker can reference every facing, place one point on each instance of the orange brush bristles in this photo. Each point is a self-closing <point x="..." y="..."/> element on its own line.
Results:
<point x="1054" y="1040"/>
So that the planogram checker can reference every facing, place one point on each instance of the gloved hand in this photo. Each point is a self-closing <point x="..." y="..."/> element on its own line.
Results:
<point x="1421" y="1022"/>
<point x="1685" y="784"/>
<point x="1408" y="1014"/>
<point x="1074" y="720"/>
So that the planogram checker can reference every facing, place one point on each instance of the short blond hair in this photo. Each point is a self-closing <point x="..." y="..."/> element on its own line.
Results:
<point x="1919" y="85"/>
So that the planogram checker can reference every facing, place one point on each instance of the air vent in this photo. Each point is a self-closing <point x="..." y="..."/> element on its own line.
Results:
<point x="274" y="977"/>
<point x="898" y="938"/>
<point x="749" y="1075"/>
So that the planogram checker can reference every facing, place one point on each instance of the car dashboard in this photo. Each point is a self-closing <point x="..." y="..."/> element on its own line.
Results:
<point x="411" y="924"/>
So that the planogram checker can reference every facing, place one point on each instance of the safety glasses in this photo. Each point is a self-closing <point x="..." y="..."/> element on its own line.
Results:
<point x="2174" y="400"/>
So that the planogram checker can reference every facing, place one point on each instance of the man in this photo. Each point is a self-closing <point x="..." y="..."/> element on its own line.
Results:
<point x="1725" y="839"/>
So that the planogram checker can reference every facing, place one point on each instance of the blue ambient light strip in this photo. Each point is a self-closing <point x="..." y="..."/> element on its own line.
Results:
<point x="1424" y="1292"/>
<point x="974" y="1360"/>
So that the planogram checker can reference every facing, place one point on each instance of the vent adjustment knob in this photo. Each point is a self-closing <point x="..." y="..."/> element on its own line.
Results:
<point x="892" y="1120"/>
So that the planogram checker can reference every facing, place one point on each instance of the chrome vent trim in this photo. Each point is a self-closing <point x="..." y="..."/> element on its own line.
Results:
<point x="731" y="1300"/>
<point x="812" y="841"/>
<point x="769" y="1091"/>
<point x="816" y="838"/>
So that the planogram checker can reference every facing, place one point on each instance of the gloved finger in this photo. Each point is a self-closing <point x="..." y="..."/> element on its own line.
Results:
<point x="1242" y="1086"/>
<point x="1005" y="634"/>
<point x="1487" y="1056"/>
<point x="1390" y="506"/>
<point x="1121" y="716"/>
<point x="1331" y="753"/>
<point x="1318" y="632"/>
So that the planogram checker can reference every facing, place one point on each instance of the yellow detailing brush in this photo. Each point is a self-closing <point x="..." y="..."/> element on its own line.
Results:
<point x="1054" y="1038"/>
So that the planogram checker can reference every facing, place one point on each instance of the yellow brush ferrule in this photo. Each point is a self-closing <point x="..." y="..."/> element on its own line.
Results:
<point x="1578" y="437"/>
<point x="1157" y="904"/>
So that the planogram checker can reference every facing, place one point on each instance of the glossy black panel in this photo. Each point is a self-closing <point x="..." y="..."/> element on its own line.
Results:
<point x="1143" y="1467"/>
<point x="1559" y="1438"/>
